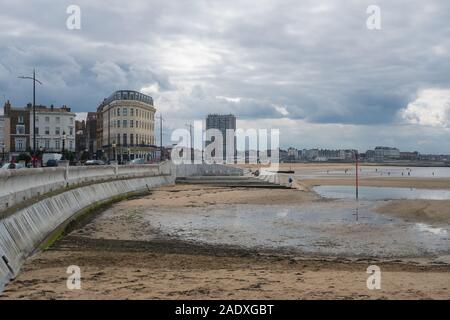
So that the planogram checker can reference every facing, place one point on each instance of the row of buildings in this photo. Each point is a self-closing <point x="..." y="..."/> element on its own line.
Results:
<point x="55" y="130"/>
<point x="122" y="129"/>
<point x="378" y="154"/>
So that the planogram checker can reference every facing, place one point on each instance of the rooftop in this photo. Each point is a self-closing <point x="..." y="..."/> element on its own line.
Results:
<point x="128" y="95"/>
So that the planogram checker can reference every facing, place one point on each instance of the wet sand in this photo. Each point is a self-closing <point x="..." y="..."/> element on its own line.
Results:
<point x="122" y="257"/>
<point x="423" y="183"/>
<point x="428" y="211"/>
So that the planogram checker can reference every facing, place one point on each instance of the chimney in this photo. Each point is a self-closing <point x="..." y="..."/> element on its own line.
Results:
<point x="29" y="105"/>
<point x="52" y="107"/>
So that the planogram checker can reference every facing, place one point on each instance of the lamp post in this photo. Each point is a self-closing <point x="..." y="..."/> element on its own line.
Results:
<point x="63" y="145"/>
<point x="160" y="136"/>
<point x="34" y="110"/>
<point x="114" y="151"/>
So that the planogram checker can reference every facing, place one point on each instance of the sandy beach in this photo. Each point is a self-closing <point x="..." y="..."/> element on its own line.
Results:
<point x="122" y="256"/>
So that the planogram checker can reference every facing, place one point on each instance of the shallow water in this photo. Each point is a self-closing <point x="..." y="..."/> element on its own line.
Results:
<point x="382" y="171"/>
<point x="331" y="228"/>
<point x="381" y="193"/>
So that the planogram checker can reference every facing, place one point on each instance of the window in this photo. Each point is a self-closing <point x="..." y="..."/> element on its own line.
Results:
<point x="20" y="129"/>
<point x="118" y="123"/>
<point x="36" y="129"/>
<point x="57" y="130"/>
<point x="71" y="120"/>
<point x="124" y="139"/>
<point x="70" y="144"/>
<point x="131" y="123"/>
<point x="125" y="124"/>
<point x="47" y="144"/>
<point x="20" y="119"/>
<point x="20" y="144"/>
<point x="131" y="139"/>
<point x="132" y="112"/>
<point x="125" y="112"/>
<point x="47" y="119"/>
<point x="47" y="130"/>
<point x="118" y="112"/>
<point x="57" y="144"/>
<point x="58" y="120"/>
<point x="37" y="119"/>
<point x="118" y="138"/>
<point x="70" y="131"/>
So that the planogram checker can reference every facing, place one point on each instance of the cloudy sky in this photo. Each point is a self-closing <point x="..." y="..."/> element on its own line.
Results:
<point x="308" y="67"/>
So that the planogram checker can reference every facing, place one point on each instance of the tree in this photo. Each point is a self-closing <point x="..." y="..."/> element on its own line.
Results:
<point x="24" y="157"/>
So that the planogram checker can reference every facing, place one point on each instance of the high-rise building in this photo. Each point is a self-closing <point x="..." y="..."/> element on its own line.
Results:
<point x="126" y="126"/>
<point x="223" y="123"/>
<point x="55" y="129"/>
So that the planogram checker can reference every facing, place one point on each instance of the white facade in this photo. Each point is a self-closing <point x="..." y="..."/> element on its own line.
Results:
<point x="55" y="128"/>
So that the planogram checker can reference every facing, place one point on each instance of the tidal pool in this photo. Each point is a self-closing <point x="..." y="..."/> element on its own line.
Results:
<point x="343" y="228"/>
<point x="381" y="193"/>
<point x="372" y="171"/>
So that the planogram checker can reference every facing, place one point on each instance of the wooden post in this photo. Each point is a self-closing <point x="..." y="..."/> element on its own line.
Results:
<point x="357" y="176"/>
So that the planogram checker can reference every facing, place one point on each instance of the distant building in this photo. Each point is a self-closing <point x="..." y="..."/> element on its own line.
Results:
<point x="91" y="133"/>
<point x="223" y="123"/>
<point x="55" y="129"/>
<point x="4" y="138"/>
<point x="125" y="126"/>
<point x="386" y="154"/>
<point x="19" y="129"/>
<point x="411" y="156"/>
<point x="292" y="154"/>
<point x="80" y="137"/>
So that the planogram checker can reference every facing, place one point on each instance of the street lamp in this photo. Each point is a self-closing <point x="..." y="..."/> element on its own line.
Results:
<point x="114" y="150"/>
<point x="34" y="110"/>
<point x="63" y="145"/>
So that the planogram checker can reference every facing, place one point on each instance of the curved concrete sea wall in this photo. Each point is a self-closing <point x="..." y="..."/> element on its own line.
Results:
<point x="17" y="186"/>
<point x="23" y="231"/>
<point x="35" y="202"/>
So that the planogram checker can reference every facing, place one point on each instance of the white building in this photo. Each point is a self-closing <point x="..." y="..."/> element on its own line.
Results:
<point x="386" y="154"/>
<point x="55" y="129"/>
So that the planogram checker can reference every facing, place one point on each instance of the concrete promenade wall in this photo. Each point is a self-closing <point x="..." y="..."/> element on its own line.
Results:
<point x="17" y="186"/>
<point x="23" y="231"/>
<point x="189" y="170"/>
<point x="76" y="188"/>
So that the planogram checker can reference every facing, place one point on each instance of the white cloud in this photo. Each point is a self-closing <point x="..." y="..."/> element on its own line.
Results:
<point x="431" y="108"/>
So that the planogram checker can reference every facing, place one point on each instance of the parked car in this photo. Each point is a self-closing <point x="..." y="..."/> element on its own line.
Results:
<point x="51" y="156"/>
<point x="94" y="163"/>
<point x="138" y="161"/>
<point x="8" y="166"/>
<point x="52" y="163"/>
